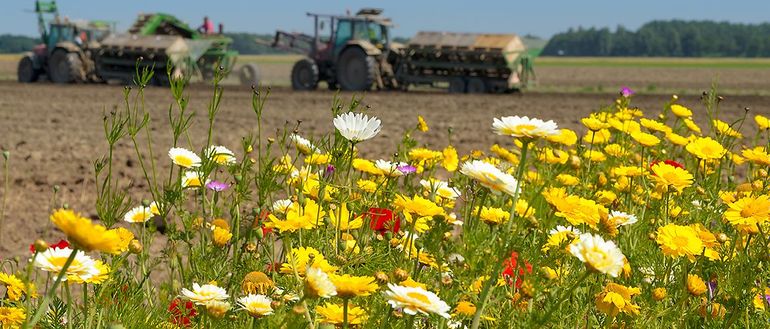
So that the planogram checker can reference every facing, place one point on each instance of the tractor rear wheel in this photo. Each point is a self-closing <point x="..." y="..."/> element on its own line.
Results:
<point x="456" y="86"/>
<point x="476" y="86"/>
<point x="26" y="71"/>
<point x="304" y="75"/>
<point x="356" y="71"/>
<point x="249" y="75"/>
<point x="65" y="67"/>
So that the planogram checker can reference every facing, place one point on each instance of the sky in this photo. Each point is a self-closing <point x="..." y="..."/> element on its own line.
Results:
<point x="538" y="17"/>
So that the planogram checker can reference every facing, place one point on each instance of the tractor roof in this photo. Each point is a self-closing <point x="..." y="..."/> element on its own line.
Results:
<point x="369" y="14"/>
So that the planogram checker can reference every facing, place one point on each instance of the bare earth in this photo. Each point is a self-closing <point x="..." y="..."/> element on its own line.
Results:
<point x="54" y="132"/>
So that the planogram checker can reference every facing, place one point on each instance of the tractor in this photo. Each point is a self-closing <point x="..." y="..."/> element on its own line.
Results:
<point x="354" y="52"/>
<point x="66" y="54"/>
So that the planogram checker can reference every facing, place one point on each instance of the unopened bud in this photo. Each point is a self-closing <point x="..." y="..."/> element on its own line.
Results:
<point x="722" y="238"/>
<point x="275" y="304"/>
<point x="135" y="247"/>
<point x="674" y="97"/>
<point x="298" y="309"/>
<point x="56" y="188"/>
<point x="652" y="236"/>
<point x="260" y="234"/>
<point x="400" y="274"/>
<point x="381" y="277"/>
<point x="6" y="155"/>
<point x="146" y="202"/>
<point x="762" y="173"/>
<point x="41" y="245"/>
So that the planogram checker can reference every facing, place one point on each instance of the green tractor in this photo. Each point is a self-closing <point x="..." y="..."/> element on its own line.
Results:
<point x="66" y="54"/>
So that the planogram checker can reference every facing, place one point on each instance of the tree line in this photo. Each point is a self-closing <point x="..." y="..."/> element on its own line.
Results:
<point x="675" y="38"/>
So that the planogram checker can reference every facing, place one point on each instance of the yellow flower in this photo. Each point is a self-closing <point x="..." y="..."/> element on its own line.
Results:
<point x="677" y="139"/>
<point x="760" y="301"/>
<point x="504" y="154"/>
<point x="757" y="155"/>
<point x="659" y="293"/>
<point x="577" y="210"/>
<point x="763" y="123"/>
<point x="418" y="205"/>
<point x="307" y="217"/>
<point x="597" y="136"/>
<point x="681" y="111"/>
<point x="628" y="126"/>
<point x="333" y="314"/>
<point x="366" y="166"/>
<point x="12" y="317"/>
<point x="594" y="155"/>
<point x="655" y="125"/>
<point x="421" y="124"/>
<point x="667" y="176"/>
<point x="318" y="284"/>
<point x="221" y="236"/>
<point x="341" y="218"/>
<point x="615" y="150"/>
<point x="565" y="137"/>
<point x="451" y="160"/>
<point x="628" y="171"/>
<point x="695" y="285"/>
<point x="217" y="309"/>
<point x="645" y="138"/>
<point x="256" y="305"/>
<point x="86" y="235"/>
<point x="352" y="286"/>
<point x="299" y="259"/>
<point x="567" y="179"/>
<point x="692" y="126"/>
<point x="101" y="277"/>
<point x="552" y="156"/>
<point x="706" y="148"/>
<point x="616" y="298"/>
<point x="125" y="236"/>
<point x="422" y="155"/>
<point x="677" y="241"/>
<point x="464" y="308"/>
<point x="748" y="211"/>
<point x="257" y="282"/>
<point x="723" y="128"/>
<point x="14" y="288"/>
<point x="493" y="216"/>
<point x="559" y="237"/>
<point x="368" y="186"/>
<point x="594" y="124"/>
<point x="317" y="159"/>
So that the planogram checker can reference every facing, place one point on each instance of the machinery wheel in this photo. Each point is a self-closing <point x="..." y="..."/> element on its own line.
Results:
<point x="26" y="72"/>
<point x="356" y="71"/>
<point x="249" y="75"/>
<point x="476" y="86"/>
<point x="304" y="75"/>
<point x="65" y="67"/>
<point x="456" y="86"/>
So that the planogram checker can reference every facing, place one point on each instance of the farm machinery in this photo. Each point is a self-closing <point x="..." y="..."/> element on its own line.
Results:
<point x="354" y="52"/>
<point x="93" y="52"/>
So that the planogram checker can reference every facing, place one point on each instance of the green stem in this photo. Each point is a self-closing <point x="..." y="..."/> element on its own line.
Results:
<point x="345" y="313"/>
<point x="47" y="299"/>
<point x="565" y="296"/>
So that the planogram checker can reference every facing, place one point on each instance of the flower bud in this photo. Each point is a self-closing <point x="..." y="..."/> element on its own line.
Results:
<point x="400" y="274"/>
<point x="6" y="155"/>
<point x="298" y="309"/>
<point x="135" y="247"/>
<point x="722" y="238"/>
<point x="659" y="294"/>
<point x="41" y="245"/>
<point x="381" y="277"/>
<point x="146" y="202"/>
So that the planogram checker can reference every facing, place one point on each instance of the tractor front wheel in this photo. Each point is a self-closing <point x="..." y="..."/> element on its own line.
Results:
<point x="65" y="67"/>
<point x="356" y="71"/>
<point x="304" y="75"/>
<point x="26" y="71"/>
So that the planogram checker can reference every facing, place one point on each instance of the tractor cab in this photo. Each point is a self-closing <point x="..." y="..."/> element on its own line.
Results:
<point x="81" y="34"/>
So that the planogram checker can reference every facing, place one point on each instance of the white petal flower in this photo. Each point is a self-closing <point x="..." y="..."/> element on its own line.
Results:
<point x="201" y="295"/>
<point x="390" y="168"/>
<point x="221" y="155"/>
<point x="138" y="214"/>
<point x="416" y="299"/>
<point x="256" y="305"/>
<point x="281" y="206"/>
<point x="441" y="188"/>
<point x="53" y="259"/>
<point x="184" y="157"/>
<point x="357" y="127"/>
<point x="192" y="179"/>
<point x="602" y="256"/>
<point x="318" y="284"/>
<point x="517" y="126"/>
<point x="620" y="218"/>
<point x="304" y="145"/>
<point x="489" y="176"/>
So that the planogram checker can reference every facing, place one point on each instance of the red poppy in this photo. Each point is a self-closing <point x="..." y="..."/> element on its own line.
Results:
<point x="383" y="220"/>
<point x="511" y="266"/>
<point x="668" y="162"/>
<point x="263" y="216"/>
<point x="181" y="315"/>
<point x="59" y="245"/>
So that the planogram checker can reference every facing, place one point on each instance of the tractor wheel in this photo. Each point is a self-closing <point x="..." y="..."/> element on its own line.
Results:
<point x="356" y="71"/>
<point x="304" y="75"/>
<point x="249" y="75"/>
<point x="456" y="86"/>
<point x="65" y="67"/>
<point x="476" y="86"/>
<point x="26" y="72"/>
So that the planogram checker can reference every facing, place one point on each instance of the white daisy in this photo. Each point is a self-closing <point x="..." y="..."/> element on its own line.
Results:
<point x="602" y="256"/>
<point x="52" y="260"/>
<point x="184" y="157"/>
<point x="154" y="208"/>
<point x="489" y="176"/>
<point x="318" y="284"/>
<point x="390" y="168"/>
<point x="620" y="218"/>
<point x="304" y="145"/>
<point x="191" y="179"/>
<point x="221" y="155"/>
<point x="441" y="188"/>
<point x="517" y="126"/>
<point x="139" y="214"/>
<point x="416" y="299"/>
<point x="201" y="295"/>
<point x="357" y="127"/>
<point x="281" y="206"/>
<point x="256" y="305"/>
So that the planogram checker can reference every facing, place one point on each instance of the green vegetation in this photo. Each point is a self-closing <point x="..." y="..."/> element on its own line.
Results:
<point x="654" y="62"/>
<point x="674" y="38"/>
<point x="14" y="44"/>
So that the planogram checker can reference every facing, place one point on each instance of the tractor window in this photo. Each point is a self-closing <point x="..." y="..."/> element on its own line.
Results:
<point x="344" y="33"/>
<point x="375" y="33"/>
<point x="53" y="36"/>
<point x="360" y="30"/>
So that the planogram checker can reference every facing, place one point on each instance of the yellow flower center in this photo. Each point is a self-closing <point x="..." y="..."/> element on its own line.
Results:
<point x="419" y="296"/>
<point x="183" y="161"/>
